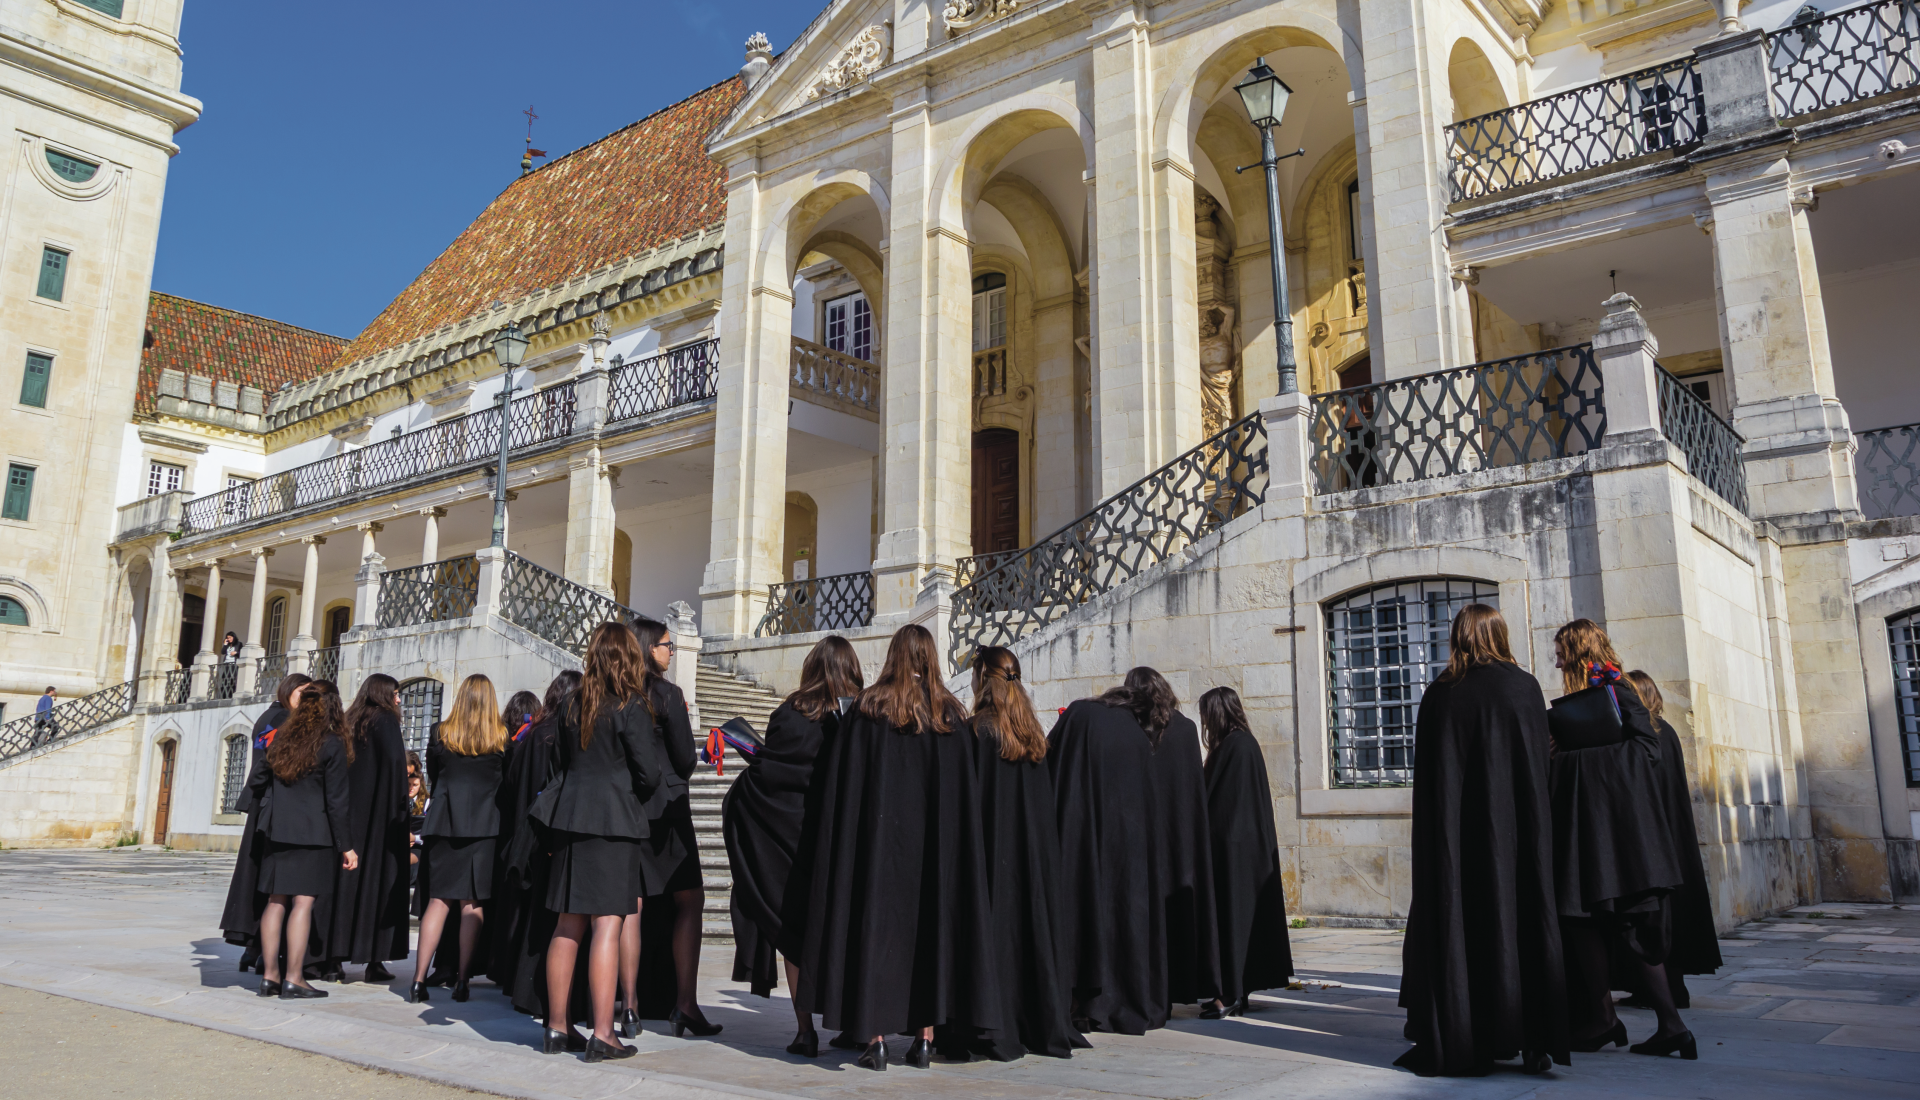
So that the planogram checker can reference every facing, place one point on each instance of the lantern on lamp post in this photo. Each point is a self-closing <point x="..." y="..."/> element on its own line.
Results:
<point x="509" y="347"/>
<point x="1265" y="96"/>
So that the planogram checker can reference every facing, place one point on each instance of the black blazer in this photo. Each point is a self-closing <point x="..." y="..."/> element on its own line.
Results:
<point x="272" y="718"/>
<point x="598" y="790"/>
<point x="673" y="739"/>
<point x="464" y="800"/>
<point x="311" y="810"/>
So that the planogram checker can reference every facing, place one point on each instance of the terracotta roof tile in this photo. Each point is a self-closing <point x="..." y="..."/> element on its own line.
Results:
<point x="227" y="346"/>
<point x="635" y="189"/>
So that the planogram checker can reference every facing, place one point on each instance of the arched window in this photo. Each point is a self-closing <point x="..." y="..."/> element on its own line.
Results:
<point x="1385" y="644"/>
<point x="1903" y="632"/>
<point x="419" y="710"/>
<point x="237" y="759"/>
<point x="12" y="612"/>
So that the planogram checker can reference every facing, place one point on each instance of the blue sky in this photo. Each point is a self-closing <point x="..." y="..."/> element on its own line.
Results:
<point x="345" y="144"/>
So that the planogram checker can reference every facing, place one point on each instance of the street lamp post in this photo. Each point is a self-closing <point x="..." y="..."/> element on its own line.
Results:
<point x="1266" y="98"/>
<point x="509" y="347"/>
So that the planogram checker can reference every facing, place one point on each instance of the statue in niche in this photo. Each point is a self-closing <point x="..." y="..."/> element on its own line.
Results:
<point x="1219" y="336"/>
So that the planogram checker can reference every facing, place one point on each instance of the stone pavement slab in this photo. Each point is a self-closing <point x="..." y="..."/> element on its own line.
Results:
<point x="1797" y="1013"/>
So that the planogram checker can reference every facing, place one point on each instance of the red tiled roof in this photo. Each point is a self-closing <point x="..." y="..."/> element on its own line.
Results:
<point x="227" y="346"/>
<point x="635" y="189"/>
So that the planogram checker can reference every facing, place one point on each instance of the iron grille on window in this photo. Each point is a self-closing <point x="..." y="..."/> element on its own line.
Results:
<point x="1384" y="646"/>
<point x="1887" y="465"/>
<point x="419" y="710"/>
<point x="233" y="772"/>
<point x="429" y="593"/>
<point x="682" y="376"/>
<point x="1711" y="444"/>
<point x="841" y="601"/>
<point x="1845" y="57"/>
<point x="1904" y="634"/>
<point x="553" y="607"/>
<point x="68" y="718"/>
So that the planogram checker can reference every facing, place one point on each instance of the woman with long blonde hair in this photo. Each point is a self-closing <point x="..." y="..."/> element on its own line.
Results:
<point x="466" y="756"/>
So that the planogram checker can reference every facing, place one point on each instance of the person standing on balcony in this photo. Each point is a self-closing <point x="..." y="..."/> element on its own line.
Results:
<point x="522" y="924"/>
<point x="1249" y="897"/>
<point x="1186" y="845"/>
<point x="1481" y="970"/>
<point x="230" y="647"/>
<point x="300" y="783"/>
<point x="368" y="924"/>
<point x="240" y="920"/>
<point x="466" y="756"/>
<point x="226" y="673"/>
<point x="767" y="818"/>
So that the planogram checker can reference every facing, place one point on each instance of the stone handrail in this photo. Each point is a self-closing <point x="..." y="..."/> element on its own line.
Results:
<point x="834" y="379"/>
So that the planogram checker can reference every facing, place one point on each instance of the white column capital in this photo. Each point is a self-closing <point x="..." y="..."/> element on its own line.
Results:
<point x="313" y="540"/>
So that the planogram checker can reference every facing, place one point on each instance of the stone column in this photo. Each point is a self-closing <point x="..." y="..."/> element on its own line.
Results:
<point x="366" y="594"/>
<point x="300" y="650"/>
<point x="490" y="592"/>
<point x="162" y="647"/>
<point x="430" y="541"/>
<point x="251" y="650"/>
<point x="209" y="655"/>
<point x="590" y="521"/>
<point x="684" y="672"/>
<point x="592" y="387"/>
<point x="368" y="542"/>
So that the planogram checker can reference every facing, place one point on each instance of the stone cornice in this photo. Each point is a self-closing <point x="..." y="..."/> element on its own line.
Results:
<point x="175" y="109"/>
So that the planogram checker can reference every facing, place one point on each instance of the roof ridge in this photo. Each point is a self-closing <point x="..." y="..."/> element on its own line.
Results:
<point x="252" y="316"/>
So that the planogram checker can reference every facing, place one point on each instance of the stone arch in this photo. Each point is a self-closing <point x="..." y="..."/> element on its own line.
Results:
<point x="1216" y="58"/>
<point x="794" y="221"/>
<point x="21" y="589"/>
<point x="1472" y="83"/>
<point x="978" y="149"/>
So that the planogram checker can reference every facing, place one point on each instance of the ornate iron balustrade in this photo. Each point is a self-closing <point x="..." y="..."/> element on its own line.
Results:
<point x="179" y="687"/>
<point x="1125" y="535"/>
<point x="553" y="607"/>
<point x="990" y="372"/>
<point x="1711" y="444"/>
<point x="326" y="664"/>
<point x="841" y="601"/>
<point x="968" y="570"/>
<point x="224" y="680"/>
<point x="1887" y="465"/>
<point x="1605" y="123"/>
<point x="683" y="376"/>
<point x="273" y="669"/>
<point x="470" y="440"/>
<point x="430" y="593"/>
<point x="825" y="376"/>
<point x="1845" y="57"/>
<point x="1549" y="404"/>
<point x="66" y="719"/>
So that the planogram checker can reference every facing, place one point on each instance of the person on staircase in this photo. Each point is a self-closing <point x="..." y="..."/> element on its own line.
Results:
<point x="466" y="755"/>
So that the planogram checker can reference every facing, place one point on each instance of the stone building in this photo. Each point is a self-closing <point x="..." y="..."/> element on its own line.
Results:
<point x="962" y="313"/>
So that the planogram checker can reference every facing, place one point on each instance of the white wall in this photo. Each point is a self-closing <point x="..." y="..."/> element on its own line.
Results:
<point x="844" y="495"/>
<point x="670" y="545"/>
<point x="206" y="471"/>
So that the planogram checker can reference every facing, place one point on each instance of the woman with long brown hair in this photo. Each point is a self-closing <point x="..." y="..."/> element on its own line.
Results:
<point x="369" y="904"/>
<point x="1249" y="898"/>
<point x="764" y="820"/>
<point x="606" y="764"/>
<point x="1021" y="846"/>
<point x="897" y="935"/>
<point x="300" y="783"/>
<point x="466" y="755"/>
<point x="240" y="920"/>
<point x="1481" y="975"/>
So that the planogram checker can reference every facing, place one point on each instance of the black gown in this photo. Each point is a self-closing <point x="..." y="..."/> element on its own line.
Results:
<point x="240" y="920"/>
<point x="368" y="918"/>
<point x="668" y="860"/>
<point x="763" y="818"/>
<point x="1113" y="943"/>
<point x="1482" y="976"/>
<point x="1693" y="944"/>
<point x="897" y="926"/>
<point x="1250" y="897"/>
<point x="1186" y="847"/>
<point x="522" y="922"/>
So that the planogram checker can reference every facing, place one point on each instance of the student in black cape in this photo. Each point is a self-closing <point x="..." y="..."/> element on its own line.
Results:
<point x="1186" y="847"/>
<point x="606" y="762"/>
<point x="1250" y="899"/>
<point x="1022" y="850"/>
<point x="300" y="783"/>
<point x="520" y="923"/>
<point x="1481" y="970"/>
<point x="1694" y="944"/>
<point x="240" y="920"/>
<point x="897" y="933"/>
<point x="1614" y="856"/>
<point x="368" y="922"/>
<point x="764" y="819"/>
<point x="466" y="755"/>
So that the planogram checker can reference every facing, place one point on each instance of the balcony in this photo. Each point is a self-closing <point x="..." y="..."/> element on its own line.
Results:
<point x="834" y="380"/>
<point x="843" y="601"/>
<point x="1887" y="464"/>
<point x="1846" y="57"/>
<point x="672" y="379"/>
<point x="151" y="516"/>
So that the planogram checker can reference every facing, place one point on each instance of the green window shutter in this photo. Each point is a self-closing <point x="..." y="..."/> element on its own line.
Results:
<point x="53" y="274"/>
<point x="12" y="612"/>
<point x="19" y="499"/>
<point x="105" y="7"/>
<point x="33" y="386"/>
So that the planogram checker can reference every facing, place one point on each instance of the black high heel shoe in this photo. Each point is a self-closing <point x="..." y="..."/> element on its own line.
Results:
<point x="683" y="1023"/>
<point x="417" y="994"/>
<point x="876" y="1055"/>
<point x="598" y="1051"/>
<point x="269" y="989"/>
<point x="460" y="989"/>
<point x="562" y="1042"/>
<point x="626" y="1023"/>
<point x="1535" y="1062"/>
<point x="292" y="992"/>
<point x="378" y="973"/>
<point x="1682" y="1044"/>
<point x="806" y="1044"/>
<point x="249" y="959"/>
<point x="920" y="1054"/>
<point x="1618" y="1037"/>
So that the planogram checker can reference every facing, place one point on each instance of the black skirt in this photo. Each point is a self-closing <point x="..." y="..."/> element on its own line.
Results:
<point x="669" y="860"/>
<point x="297" y="869"/>
<point x="593" y="875"/>
<point x="459" y="867"/>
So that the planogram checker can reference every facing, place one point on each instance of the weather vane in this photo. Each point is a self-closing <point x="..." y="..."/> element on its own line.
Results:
<point x="526" y="162"/>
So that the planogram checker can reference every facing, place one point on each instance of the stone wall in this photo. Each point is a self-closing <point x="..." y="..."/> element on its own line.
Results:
<point x="75" y="793"/>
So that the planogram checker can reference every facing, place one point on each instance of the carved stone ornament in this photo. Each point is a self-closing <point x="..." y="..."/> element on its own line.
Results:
<point x="866" y="54"/>
<point x="757" y="43"/>
<point x="964" y="15"/>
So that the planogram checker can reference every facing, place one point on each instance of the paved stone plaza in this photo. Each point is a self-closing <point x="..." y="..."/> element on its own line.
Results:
<point x="1821" y="1003"/>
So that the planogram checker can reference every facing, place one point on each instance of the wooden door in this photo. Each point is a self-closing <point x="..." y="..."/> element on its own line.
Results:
<point x="163" y="806"/>
<point x="996" y="490"/>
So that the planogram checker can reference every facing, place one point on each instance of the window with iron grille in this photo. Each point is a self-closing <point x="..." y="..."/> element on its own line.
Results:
<point x="18" y="503"/>
<point x="164" y="477"/>
<point x="1904" y="633"/>
<point x="233" y="771"/>
<point x="1385" y="644"/>
<point x="33" y="382"/>
<point x="53" y="274"/>
<point x="849" y="326"/>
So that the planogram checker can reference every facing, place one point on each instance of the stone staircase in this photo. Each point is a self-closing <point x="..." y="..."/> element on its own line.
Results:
<point x="720" y="696"/>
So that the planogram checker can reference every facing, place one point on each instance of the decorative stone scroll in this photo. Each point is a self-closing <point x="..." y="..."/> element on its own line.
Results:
<point x="866" y="54"/>
<point x="964" y="15"/>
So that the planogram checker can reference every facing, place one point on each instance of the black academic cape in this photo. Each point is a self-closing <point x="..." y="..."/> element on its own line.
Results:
<point x="1186" y="857"/>
<point x="240" y="920"/>
<point x="1695" y="945"/>
<point x="668" y="807"/>
<point x="367" y="920"/>
<point x="1482" y="977"/>
<point x="762" y="819"/>
<point x="1022" y="849"/>
<point x="1113" y="942"/>
<point x="898" y="911"/>
<point x="1250" y="898"/>
<point x="1613" y="852"/>
<point x="521" y="921"/>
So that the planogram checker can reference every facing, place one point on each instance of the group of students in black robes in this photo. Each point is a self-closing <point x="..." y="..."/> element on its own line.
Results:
<point x="967" y="880"/>
<point x="1554" y="860"/>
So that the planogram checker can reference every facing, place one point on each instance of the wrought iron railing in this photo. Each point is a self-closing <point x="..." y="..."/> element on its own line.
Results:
<point x="273" y="669"/>
<point x="968" y="570"/>
<point x="179" y="687"/>
<point x="1591" y="127"/>
<point x="66" y="719"/>
<point x="326" y="664"/>
<point x="224" y="680"/>
<point x="1711" y="444"/>
<point x="468" y="440"/>
<point x="842" y="601"/>
<point x="1845" y="57"/>
<point x="682" y="376"/>
<point x="1547" y="404"/>
<point x="553" y="607"/>
<point x="990" y="372"/>
<point x="825" y="376"/>
<point x="429" y="593"/>
<point x="1128" y="533"/>
<point x="1887" y="465"/>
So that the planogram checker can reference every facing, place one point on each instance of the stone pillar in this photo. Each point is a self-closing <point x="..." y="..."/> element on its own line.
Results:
<point x="163" y="630"/>
<point x="368" y="543"/>
<point x="590" y="521"/>
<point x="430" y="540"/>
<point x="366" y="592"/>
<point x="750" y="418"/>
<point x="300" y="650"/>
<point x="684" y="672"/>
<point x="1290" y="478"/>
<point x="491" y="592"/>
<point x="209" y="655"/>
<point x="247" y="679"/>
<point x="1625" y="348"/>
<point x="592" y="387"/>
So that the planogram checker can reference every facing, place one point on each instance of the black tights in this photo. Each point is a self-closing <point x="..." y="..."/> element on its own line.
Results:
<point x="1589" y="958"/>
